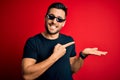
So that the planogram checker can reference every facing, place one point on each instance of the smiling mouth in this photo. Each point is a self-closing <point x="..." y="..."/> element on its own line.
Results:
<point x="52" y="29"/>
<point x="52" y="26"/>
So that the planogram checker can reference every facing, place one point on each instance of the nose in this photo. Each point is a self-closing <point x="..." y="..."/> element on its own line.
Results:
<point x="54" y="20"/>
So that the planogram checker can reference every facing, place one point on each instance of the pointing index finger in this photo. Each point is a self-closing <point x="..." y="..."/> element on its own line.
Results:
<point x="68" y="44"/>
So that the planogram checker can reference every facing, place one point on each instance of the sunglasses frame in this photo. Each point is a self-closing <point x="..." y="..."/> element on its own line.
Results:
<point x="53" y="17"/>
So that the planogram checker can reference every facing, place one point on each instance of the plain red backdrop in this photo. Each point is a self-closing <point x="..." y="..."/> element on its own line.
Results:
<point x="92" y="23"/>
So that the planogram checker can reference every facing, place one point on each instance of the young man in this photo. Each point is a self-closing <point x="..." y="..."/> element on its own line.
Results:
<point x="51" y="55"/>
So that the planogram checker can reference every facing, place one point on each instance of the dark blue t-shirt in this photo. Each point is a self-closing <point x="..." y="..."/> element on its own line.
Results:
<point x="40" y="48"/>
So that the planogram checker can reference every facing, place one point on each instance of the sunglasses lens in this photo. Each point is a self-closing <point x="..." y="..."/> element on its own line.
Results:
<point x="60" y="20"/>
<point x="52" y="17"/>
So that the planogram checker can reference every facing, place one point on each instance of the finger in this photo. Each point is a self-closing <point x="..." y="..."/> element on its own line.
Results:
<point x="58" y="45"/>
<point x="104" y="53"/>
<point x="99" y="53"/>
<point x="95" y="49"/>
<point x="68" y="44"/>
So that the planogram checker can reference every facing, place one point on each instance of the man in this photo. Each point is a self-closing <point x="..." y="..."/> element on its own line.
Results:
<point x="51" y="55"/>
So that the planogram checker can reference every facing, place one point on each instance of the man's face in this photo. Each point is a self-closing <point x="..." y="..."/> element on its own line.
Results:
<point x="55" y="24"/>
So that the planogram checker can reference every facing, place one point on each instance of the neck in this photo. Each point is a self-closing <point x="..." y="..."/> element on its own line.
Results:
<point x="50" y="36"/>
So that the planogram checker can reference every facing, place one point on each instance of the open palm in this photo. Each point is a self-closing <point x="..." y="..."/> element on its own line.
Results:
<point x="93" y="51"/>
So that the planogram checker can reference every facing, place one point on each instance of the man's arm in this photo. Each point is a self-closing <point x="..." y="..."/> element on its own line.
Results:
<point x="32" y="70"/>
<point x="77" y="62"/>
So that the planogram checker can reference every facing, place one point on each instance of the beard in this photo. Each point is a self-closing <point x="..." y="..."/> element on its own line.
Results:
<point x="49" y="32"/>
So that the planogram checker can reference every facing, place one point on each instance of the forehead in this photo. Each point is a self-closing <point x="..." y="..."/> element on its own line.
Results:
<point x="57" y="12"/>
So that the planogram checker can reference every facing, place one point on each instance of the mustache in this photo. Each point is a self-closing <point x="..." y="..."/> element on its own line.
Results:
<point x="53" y="25"/>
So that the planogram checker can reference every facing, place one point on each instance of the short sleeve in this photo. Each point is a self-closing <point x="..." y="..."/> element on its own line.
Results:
<point x="30" y="49"/>
<point x="73" y="52"/>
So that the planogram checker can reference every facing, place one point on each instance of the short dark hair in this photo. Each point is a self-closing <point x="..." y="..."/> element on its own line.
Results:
<point x="58" y="5"/>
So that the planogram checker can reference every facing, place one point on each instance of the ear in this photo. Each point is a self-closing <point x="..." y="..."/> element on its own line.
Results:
<point x="63" y="24"/>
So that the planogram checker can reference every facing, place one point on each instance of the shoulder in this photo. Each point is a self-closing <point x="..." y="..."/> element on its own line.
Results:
<point x="33" y="39"/>
<point x="67" y="37"/>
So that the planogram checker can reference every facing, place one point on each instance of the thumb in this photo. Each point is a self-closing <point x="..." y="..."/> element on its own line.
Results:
<point x="95" y="49"/>
<point x="58" y="45"/>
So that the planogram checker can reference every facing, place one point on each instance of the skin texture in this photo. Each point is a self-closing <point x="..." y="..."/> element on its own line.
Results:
<point x="31" y="70"/>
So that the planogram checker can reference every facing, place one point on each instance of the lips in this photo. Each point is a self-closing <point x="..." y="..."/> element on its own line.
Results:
<point x="52" y="26"/>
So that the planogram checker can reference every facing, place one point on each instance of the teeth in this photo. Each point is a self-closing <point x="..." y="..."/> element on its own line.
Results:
<point x="53" y="27"/>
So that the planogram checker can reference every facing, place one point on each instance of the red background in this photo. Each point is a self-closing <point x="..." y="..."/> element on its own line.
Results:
<point x="92" y="23"/>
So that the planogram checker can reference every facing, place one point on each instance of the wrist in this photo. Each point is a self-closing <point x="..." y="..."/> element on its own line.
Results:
<point x="53" y="57"/>
<point x="82" y="55"/>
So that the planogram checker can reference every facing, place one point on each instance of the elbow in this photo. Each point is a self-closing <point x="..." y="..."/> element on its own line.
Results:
<point x="30" y="76"/>
<point x="26" y="77"/>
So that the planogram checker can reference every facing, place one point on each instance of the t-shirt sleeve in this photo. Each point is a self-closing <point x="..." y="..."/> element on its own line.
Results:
<point x="73" y="52"/>
<point x="30" y="49"/>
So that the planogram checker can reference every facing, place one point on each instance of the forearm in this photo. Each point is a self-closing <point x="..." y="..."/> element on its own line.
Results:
<point x="77" y="64"/>
<point x="33" y="71"/>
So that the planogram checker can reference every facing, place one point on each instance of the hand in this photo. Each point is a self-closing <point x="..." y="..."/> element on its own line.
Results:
<point x="60" y="50"/>
<point x="93" y="51"/>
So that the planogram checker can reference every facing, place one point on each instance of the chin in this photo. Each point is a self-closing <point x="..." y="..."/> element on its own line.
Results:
<point x="52" y="33"/>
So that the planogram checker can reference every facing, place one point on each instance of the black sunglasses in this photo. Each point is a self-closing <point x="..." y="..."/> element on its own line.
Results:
<point x="52" y="17"/>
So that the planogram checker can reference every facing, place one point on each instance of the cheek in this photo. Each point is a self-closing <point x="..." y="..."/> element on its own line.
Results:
<point x="62" y="24"/>
<point x="48" y="22"/>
